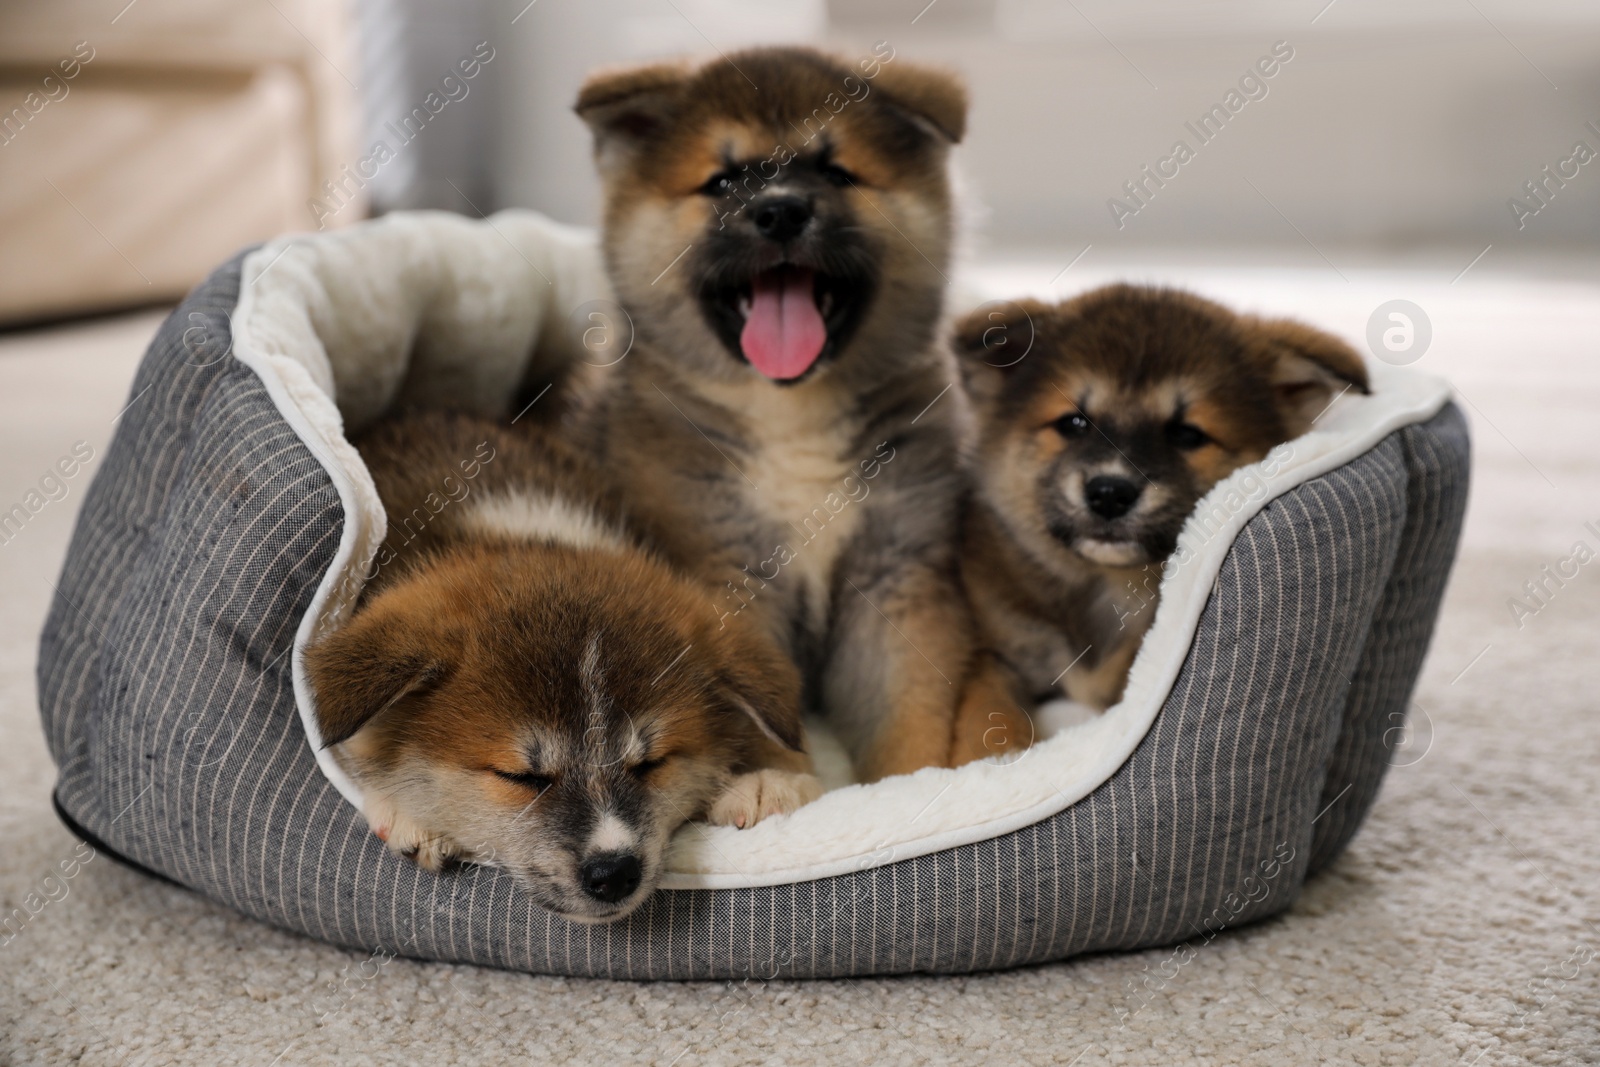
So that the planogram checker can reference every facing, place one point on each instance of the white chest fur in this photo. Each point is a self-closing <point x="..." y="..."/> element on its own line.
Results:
<point x="807" y="487"/>
<point x="536" y="515"/>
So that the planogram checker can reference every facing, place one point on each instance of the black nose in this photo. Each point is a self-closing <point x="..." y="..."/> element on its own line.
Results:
<point x="781" y="218"/>
<point x="611" y="877"/>
<point x="1110" y="497"/>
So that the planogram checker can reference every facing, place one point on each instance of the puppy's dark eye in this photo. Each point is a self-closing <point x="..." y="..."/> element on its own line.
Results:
<point x="835" y="174"/>
<point x="527" y="779"/>
<point x="1186" y="435"/>
<point x="719" y="184"/>
<point x="1072" y="424"/>
<point x="644" y="767"/>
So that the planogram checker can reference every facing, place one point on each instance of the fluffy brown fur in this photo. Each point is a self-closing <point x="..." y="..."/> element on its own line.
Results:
<point x="522" y="685"/>
<point x="1103" y="420"/>
<point x="821" y="501"/>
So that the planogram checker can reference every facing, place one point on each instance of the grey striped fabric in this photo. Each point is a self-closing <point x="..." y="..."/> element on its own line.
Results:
<point x="164" y="678"/>
<point x="1378" y="732"/>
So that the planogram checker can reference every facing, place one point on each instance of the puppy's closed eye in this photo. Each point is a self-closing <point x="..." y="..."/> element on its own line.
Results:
<point x="527" y="779"/>
<point x="643" y="768"/>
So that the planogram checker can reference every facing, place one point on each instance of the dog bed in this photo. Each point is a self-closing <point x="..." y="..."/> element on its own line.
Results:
<point x="222" y="530"/>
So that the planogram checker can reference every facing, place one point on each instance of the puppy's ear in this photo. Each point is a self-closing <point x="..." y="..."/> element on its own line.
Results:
<point x="1309" y="369"/>
<point x="992" y="341"/>
<point x="758" y="681"/>
<point x="934" y="98"/>
<point x="365" y="669"/>
<point x="626" y="107"/>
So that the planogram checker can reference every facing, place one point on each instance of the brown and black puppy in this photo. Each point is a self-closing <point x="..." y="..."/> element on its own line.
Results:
<point x="778" y="224"/>
<point x="1102" y="421"/>
<point x="522" y="685"/>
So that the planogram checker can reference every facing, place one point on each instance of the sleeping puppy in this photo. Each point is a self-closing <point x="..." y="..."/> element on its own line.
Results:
<point x="781" y="427"/>
<point x="1103" y="420"/>
<point x="521" y="685"/>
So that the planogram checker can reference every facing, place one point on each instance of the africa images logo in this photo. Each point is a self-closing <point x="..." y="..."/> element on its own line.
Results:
<point x="1399" y="332"/>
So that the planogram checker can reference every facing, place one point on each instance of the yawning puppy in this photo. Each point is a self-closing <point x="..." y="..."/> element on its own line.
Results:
<point x="777" y="224"/>
<point x="523" y="686"/>
<point x="1103" y="420"/>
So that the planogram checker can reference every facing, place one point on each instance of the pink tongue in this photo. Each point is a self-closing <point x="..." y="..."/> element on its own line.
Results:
<point x="785" y="333"/>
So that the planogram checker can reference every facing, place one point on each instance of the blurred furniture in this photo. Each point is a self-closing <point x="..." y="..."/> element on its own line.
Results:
<point x="193" y="128"/>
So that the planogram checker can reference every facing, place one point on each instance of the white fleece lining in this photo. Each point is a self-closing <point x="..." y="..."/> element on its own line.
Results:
<point x="307" y="318"/>
<point x="283" y="286"/>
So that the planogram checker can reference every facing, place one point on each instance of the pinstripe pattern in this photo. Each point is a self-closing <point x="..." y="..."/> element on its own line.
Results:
<point x="167" y="703"/>
<point x="1437" y="458"/>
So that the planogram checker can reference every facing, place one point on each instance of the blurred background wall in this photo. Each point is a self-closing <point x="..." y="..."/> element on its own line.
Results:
<point x="199" y="125"/>
<point x="1394" y="123"/>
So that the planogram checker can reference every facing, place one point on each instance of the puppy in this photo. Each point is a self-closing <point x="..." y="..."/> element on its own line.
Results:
<point x="1102" y="421"/>
<point x="778" y="224"/>
<point x="522" y="685"/>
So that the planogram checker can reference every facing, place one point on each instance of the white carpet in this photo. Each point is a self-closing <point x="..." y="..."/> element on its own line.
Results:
<point x="1450" y="933"/>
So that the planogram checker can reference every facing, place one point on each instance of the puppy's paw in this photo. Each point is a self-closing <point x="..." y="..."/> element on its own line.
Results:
<point x="752" y="797"/>
<point x="432" y="852"/>
<point x="1053" y="716"/>
<point x="408" y="838"/>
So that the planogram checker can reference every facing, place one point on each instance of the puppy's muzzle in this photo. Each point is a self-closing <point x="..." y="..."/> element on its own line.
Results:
<point x="781" y="218"/>
<point x="1110" y="497"/>
<point x="611" y="876"/>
